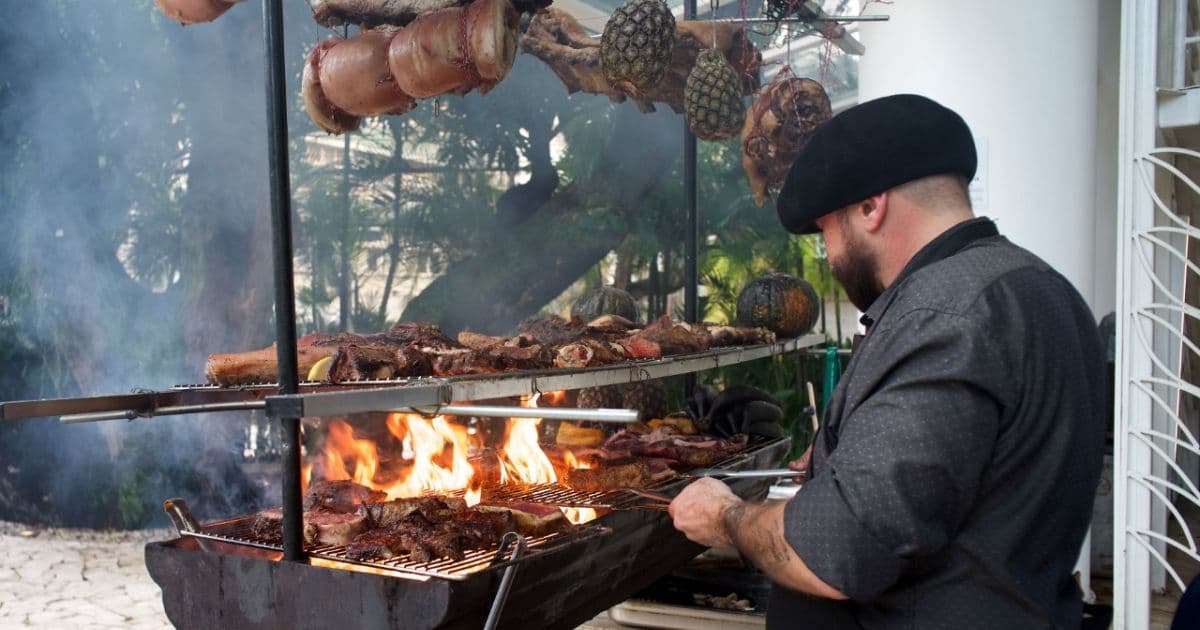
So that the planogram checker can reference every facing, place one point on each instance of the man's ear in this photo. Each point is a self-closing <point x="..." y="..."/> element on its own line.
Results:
<point x="874" y="210"/>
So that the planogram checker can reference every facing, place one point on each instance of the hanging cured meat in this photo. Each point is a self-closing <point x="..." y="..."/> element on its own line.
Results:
<point x="448" y="51"/>
<point x="323" y="112"/>
<point x="194" y="11"/>
<point x="778" y="125"/>
<point x="455" y="50"/>
<point x="354" y="76"/>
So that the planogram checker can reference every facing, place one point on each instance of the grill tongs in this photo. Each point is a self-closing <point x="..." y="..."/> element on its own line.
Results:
<point x="660" y="501"/>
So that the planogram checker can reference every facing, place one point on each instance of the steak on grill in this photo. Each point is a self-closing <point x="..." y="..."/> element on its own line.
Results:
<point x="320" y="526"/>
<point x="340" y="496"/>
<point x="376" y="544"/>
<point x="631" y="474"/>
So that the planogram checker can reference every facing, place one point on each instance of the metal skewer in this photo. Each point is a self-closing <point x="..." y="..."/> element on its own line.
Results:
<point x="619" y="416"/>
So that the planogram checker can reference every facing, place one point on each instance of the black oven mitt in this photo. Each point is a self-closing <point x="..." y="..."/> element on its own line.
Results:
<point x="738" y="409"/>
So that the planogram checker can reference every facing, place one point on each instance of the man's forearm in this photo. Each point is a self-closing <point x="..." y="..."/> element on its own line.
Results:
<point x="756" y="529"/>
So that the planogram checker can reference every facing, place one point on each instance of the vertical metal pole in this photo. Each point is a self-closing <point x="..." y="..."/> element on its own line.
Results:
<point x="285" y="292"/>
<point x="691" y="273"/>
<point x="691" y="239"/>
<point x="344" y="267"/>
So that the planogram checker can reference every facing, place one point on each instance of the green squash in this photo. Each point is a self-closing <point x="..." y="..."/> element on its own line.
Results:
<point x="605" y="301"/>
<point x="783" y="304"/>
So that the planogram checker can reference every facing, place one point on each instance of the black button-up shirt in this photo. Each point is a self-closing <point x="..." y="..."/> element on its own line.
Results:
<point x="954" y="474"/>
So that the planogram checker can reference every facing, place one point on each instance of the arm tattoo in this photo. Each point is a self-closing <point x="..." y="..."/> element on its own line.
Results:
<point x="733" y="520"/>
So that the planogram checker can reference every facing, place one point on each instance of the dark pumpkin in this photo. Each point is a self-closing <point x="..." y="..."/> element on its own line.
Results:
<point x="783" y="304"/>
<point x="605" y="301"/>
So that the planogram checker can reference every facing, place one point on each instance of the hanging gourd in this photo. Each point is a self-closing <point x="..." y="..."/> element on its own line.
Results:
<point x="783" y="304"/>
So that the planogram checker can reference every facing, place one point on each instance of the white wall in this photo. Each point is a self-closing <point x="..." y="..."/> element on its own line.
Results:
<point x="1023" y="73"/>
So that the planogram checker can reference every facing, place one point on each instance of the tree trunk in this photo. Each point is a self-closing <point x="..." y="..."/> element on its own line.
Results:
<point x="227" y="231"/>
<point x="514" y="277"/>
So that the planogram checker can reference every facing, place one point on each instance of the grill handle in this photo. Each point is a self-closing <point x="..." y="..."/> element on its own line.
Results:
<point x="517" y="543"/>
<point x="177" y="510"/>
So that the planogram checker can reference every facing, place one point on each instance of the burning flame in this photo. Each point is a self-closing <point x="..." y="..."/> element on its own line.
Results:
<point x="578" y="515"/>
<point x="553" y="399"/>
<point x="574" y="463"/>
<point x="521" y="458"/>
<point x="437" y="449"/>
<point x="439" y="453"/>
<point x="435" y="453"/>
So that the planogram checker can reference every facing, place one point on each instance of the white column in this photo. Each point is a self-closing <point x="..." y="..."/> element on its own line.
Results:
<point x="1023" y="75"/>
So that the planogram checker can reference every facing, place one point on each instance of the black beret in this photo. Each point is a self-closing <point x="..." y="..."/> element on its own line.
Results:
<point x="869" y="148"/>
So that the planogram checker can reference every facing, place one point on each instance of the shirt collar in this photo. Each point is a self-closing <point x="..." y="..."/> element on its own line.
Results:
<point x="947" y="244"/>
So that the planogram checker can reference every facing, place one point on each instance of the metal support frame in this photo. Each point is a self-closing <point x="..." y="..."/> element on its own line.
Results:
<point x="691" y="238"/>
<point x="285" y="291"/>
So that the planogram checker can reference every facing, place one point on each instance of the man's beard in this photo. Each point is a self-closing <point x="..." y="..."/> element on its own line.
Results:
<point x="858" y="272"/>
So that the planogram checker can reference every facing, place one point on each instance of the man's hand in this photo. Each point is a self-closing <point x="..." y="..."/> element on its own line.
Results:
<point x="699" y="512"/>
<point x="803" y="465"/>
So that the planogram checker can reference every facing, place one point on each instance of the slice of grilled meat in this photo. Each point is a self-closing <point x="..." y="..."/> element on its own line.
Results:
<point x="340" y="496"/>
<point x="633" y="474"/>
<point x="376" y="544"/>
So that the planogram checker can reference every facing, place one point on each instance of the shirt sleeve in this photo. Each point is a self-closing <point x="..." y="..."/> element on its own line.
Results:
<point x="909" y="457"/>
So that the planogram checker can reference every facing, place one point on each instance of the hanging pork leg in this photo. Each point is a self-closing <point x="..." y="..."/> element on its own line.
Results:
<point x="194" y="11"/>
<point x="455" y="50"/>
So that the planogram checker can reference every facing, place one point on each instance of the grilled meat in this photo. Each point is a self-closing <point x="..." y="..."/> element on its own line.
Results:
<point x="332" y="528"/>
<point x="394" y="513"/>
<point x="674" y="337"/>
<point x="530" y="519"/>
<point x="340" y="496"/>
<point x="666" y="442"/>
<point x="553" y="330"/>
<point x="588" y="353"/>
<point x="320" y="526"/>
<point x="376" y="544"/>
<point x="632" y="474"/>
<point x="259" y="366"/>
<point x="268" y="525"/>
<point x="722" y="336"/>
<point x="433" y="528"/>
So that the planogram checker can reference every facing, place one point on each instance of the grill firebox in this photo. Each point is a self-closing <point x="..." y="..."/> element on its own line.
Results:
<point x="219" y="580"/>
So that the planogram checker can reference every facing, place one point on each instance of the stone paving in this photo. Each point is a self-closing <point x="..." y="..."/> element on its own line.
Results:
<point x="61" y="578"/>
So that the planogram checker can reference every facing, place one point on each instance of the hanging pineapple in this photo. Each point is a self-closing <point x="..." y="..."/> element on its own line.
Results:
<point x="604" y="397"/>
<point x="712" y="97"/>
<point x="636" y="46"/>
<point x="649" y="398"/>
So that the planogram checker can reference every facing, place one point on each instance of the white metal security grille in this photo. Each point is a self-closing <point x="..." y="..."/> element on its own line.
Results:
<point x="1156" y="446"/>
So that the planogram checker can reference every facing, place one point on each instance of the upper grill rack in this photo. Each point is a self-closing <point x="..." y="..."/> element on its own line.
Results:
<point x="323" y="399"/>
<point x="240" y="530"/>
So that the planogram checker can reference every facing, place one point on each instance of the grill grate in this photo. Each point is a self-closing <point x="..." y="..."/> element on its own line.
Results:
<point x="240" y="530"/>
<point x="558" y="494"/>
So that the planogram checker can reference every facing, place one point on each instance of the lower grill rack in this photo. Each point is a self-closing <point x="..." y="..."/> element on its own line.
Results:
<point x="239" y="530"/>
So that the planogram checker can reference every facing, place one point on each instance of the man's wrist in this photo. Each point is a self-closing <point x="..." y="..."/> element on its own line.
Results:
<point x="733" y="513"/>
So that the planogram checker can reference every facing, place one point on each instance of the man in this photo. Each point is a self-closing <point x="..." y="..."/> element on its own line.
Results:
<point x="952" y="481"/>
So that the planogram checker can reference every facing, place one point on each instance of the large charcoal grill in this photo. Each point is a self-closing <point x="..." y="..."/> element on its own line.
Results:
<point x="225" y="578"/>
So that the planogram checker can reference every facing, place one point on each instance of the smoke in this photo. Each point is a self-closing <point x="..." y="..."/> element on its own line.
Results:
<point x="132" y="179"/>
<point x="133" y="195"/>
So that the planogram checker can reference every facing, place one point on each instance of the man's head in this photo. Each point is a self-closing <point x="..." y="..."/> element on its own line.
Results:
<point x="870" y="241"/>
<point x="880" y="180"/>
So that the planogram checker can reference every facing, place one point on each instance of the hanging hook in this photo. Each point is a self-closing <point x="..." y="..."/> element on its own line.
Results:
<point x="713" y="5"/>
